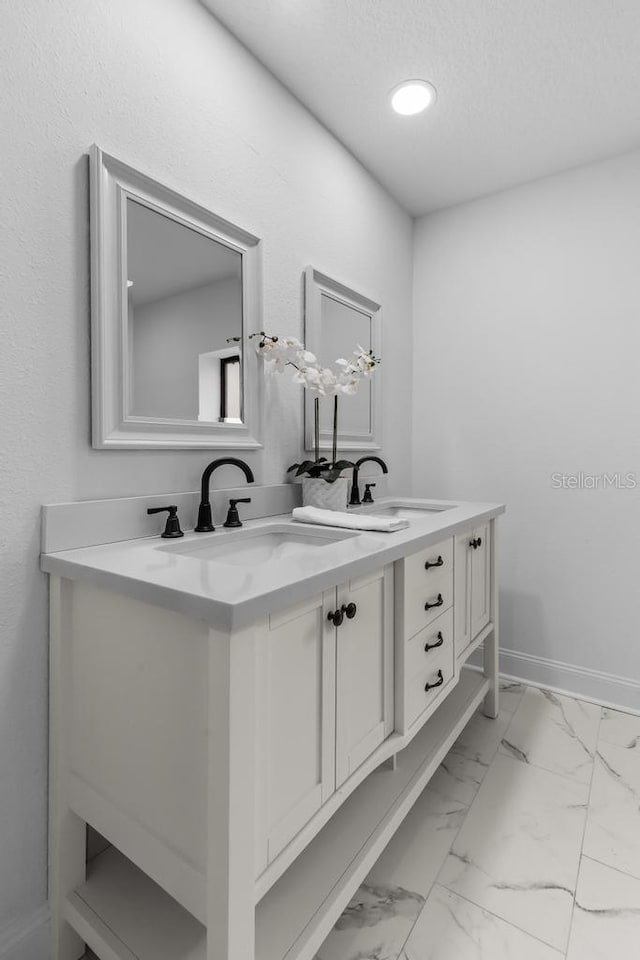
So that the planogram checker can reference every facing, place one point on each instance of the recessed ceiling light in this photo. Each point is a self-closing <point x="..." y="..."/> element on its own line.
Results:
<point x="412" y="96"/>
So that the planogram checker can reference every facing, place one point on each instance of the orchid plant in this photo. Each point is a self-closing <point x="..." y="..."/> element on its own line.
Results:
<point x="282" y="352"/>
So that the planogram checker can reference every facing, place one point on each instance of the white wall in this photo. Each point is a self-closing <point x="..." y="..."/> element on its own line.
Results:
<point x="159" y="84"/>
<point x="526" y="363"/>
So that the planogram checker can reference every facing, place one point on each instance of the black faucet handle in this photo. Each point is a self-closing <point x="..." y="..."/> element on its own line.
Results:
<point x="368" y="498"/>
<point x="172" y="526"/>
<point x="233" y="518"/>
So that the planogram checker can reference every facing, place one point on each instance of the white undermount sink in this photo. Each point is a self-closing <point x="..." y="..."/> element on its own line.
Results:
<point x="406" y="510"/>
<point x="266" y="544"/>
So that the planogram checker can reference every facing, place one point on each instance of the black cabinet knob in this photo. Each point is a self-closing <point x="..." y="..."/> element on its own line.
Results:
<point x="336" y="617"/>
<point x="349" y="610"/>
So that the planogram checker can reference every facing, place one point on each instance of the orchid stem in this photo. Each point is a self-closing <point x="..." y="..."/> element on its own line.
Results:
<point x="335" y="430"/>
<point x="316" y="426"/>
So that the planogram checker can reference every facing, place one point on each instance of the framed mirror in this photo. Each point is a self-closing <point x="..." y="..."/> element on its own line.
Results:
<point x="336" y="320"/>
<point x="175" y="293"/>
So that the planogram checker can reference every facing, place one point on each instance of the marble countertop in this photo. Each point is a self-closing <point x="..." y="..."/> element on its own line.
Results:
<point x="231" y="597"/>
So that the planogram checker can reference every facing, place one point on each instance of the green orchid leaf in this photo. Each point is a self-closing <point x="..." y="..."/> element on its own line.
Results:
<point x="305" y="467"/>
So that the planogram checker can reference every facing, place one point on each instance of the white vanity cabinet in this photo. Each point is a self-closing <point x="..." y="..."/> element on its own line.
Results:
<point x="231" y="747"/>
<point x="324" y="702"/>
<point x="473" y="581"/>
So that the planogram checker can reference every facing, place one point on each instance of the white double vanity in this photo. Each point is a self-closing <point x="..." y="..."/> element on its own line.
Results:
<point x="247" y="717"/>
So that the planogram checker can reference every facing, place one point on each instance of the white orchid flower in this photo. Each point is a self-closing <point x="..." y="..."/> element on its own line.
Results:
<point x="281" y="352"/>
<point x="328" y="379"/>
<point x="300" y="376"/>
<point x="274" y="366"/>
<point x="350" y="386"/>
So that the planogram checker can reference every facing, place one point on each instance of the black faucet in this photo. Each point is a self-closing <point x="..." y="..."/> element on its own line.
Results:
<point x="354" y="499"/>
<point x="205" y="522"/>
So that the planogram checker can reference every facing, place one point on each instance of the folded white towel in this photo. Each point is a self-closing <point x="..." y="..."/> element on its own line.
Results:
<point x="353" y="521"/>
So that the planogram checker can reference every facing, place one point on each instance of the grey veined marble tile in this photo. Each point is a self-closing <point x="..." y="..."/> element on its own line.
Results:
<point x="517" y="852"/>
<point x="606" y="919"/>
<point x="554" y="732"/>
<point x="374" y="926"/>
<point x="620" y="730"/>
<point x="613" y="825"/>
<point x="470" y="757"/>
<point x="379" y="918"/>
<point x="416" y="852"/>
<point x="450" y="928"/>
<point x="511" y="693"/>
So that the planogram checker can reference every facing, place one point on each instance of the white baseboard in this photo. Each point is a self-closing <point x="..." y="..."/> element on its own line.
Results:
<point x="26" y="938"/>
<point x="606" y="689"/>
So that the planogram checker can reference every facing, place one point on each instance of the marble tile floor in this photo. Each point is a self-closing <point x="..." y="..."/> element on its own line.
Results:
<point x="524" y="846"/>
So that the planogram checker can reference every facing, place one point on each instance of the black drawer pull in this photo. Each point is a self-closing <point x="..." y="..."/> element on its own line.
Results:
<point x="434" y="563"/>
<point x="349" y="610"/>
<point x="438" y="643"/>
<point x="336" y="617"/>
<point x="475" y="543"/>
<point x="438" y="603"/>
<point x="438" y="683"/>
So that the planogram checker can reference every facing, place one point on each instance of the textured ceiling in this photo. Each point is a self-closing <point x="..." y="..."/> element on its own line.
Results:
<point x="525" y="87"/>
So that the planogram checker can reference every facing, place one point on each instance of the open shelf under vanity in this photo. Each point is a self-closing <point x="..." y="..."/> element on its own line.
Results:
<point x="122" y="914"/>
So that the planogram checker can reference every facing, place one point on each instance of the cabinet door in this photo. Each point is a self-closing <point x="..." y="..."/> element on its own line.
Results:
<point x="296" y="722"/>
<point x="364" y="672"/>
<point x="480" y="580"/>
<point x="472" y="572"/>
<point x="462" y="591"/>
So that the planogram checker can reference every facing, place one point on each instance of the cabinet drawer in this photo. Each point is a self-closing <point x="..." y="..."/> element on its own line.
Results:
<point x="426" y="578"/>
<point x="438" y="636"/>
<point x="437" y="668"/>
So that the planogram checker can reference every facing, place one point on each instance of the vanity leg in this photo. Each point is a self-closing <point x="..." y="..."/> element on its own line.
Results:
<point x="491" y="645"/>
<point x="67" y="833"/>
<point x="231" y="806"/>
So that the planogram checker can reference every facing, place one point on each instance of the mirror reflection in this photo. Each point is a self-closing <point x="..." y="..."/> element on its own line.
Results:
<point x="184" y="302"/>
<point x="337" y="320"/>
<point x="342" y="327"/>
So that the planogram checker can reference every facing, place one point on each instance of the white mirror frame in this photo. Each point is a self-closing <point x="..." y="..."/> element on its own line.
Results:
<point x="316" y="285"/>
<point x="112" y="184"/>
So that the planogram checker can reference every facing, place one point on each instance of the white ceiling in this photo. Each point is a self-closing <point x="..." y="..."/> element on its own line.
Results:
<point x="525" y="87"/>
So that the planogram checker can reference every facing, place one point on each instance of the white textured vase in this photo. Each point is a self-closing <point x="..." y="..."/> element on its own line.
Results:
<point x="316" y="492"/>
